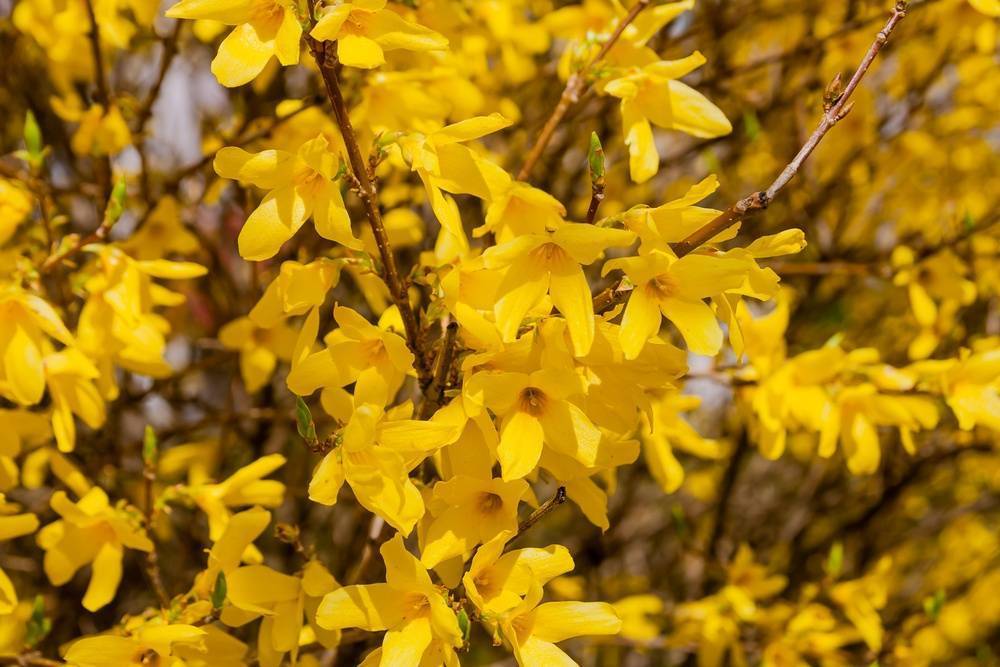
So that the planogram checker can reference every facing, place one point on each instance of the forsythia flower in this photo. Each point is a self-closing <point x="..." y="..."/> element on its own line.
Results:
<point x="27" y="322"/>
<point x="533" y="629"/>
<point x="363" y="29"/>
<point x="409" y="606"/>
<point x="549" y="264"/>
<point x="300" y="185"/>
<point x="151" y="643"/>
<point x="652" y="94"/>
<point x="260" y="349"/>
<point x="476" y="511"/>
<point x="264" y="28"/>
<point x="90" y="531"/>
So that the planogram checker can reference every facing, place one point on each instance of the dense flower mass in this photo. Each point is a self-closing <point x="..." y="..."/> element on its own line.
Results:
<point x="423" y="333"/>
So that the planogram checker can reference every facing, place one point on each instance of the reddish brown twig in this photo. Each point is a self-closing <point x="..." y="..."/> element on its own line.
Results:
<point x="575" y="87"/>
<point x="555" y="501"/>
<point x="434" y="392"/>
<point x="325" y="59"/>
<point x="834" y="111"/>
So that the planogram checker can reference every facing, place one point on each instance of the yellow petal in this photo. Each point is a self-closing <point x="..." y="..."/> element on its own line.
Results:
<point x="570" y="293"/>
<point x="697" y="324"/>
<point x="520" y="445"/>
<point x="556" y="621"/>
<point x="24" y="368"/>
<point x="241" y="57"/>
<point x="640" y="322"/>
<point x="358" y="51"/>
<point x="276" y="220"/>
<point x="107" y="573"/>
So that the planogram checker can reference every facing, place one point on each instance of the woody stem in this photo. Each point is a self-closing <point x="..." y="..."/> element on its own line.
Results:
<point x="758" y="201"/>
<point x="575" y="87"/>
<point x="369" y="198"/>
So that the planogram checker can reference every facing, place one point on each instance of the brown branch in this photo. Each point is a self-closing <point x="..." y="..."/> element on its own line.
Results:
<point x="434" y="393"/>
<point x="103" y="91"/>
<point x="96" y="236"/>
<point x="575" y="87"/>
<point x="555" y="501"/>
<point x="326" y="61"/>
<point x="30" y="659"/>
<point x="835" y="110"/>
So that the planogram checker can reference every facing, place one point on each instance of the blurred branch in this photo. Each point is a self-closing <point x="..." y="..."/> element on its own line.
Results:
<point x="837" y="107"/>
<point x="575" y="87"/>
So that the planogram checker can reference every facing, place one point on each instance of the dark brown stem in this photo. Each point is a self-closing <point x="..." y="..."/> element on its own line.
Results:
<point x="596" y="197"/>
<point x="95" y="236"/>
<point x="103" y="95"/>
<point x="575" y="87"/>
<point x="369" y="198"/>
<point x="555" y="501"/>
<point x="758" y="201"/>
<point x="373" y="540"/>
<point x="434" y="393"/>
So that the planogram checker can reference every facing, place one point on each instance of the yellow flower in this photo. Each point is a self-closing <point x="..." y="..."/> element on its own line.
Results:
<point x="476" y="510"/>
<point x="364" y="29"/>
<point x="118" y="323"/>
<point x="549" y="263"/>
<point x="675" y="288"/>
<point x="651" y="94"/>
<point x="150" y="644"/>
<point x="496" y="581"/>
<point x="296" y="289"/>
<point x="100" y="131"/>
<point x="988" y="7"/>
<point x="635" y="612"/>
<point x="70" y="376"/>
<point x="535" y="410"/>
<point x="27" y="322"/>
<point x="665" y="430"/>
<point x="12" y="525"/>
<point x="375" y="360"/>
<point x="533" y="629"/>
<point x="246" y="486"/>
<point x="443" y="164"/>
<point x="301" y="185"/>
<point x="374" y="456"/>
<point x="90" y="531"/>
<point x="161" y="234"/>
<point x="264" y="28"/>
<point x="861" y="600"/>
<point x="409" y="606"/>
<point x="259" y="347"/>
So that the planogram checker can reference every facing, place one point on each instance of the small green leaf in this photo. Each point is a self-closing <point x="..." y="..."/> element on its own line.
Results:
<point x="149" y="446"/>
<point x="464" y="625"/>
<point x="933" y="604"/>
<point x="219" y="592"/>
<point x="38" y="626"/>
<point x="116" y="205"/>
<point x="968" y="222"/>
<point x="835" y="560"/>
<point x="595" y="158"/>
<point x="32" y="139"/>
<point x="304" y="421"/>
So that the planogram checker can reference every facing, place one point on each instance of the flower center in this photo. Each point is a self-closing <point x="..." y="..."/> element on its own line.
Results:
<point x="490" y="503"/>
<point x="549" y="253"/>
<point x="146" y="657"/>
<point x="373" y="350"/>
<point x="415" y="605"/>
<point x="308" y="179"/>
<point x="663" y="286"/>
<point x="267" y="13"/>
<point x="532" y="400"/>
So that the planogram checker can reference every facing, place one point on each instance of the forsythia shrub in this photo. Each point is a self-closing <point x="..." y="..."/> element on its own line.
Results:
<point x="314" y="314"/>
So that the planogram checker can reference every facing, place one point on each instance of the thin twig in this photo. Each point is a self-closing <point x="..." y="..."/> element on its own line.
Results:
<point x="555" y="501"/>
<point x="152" y="556"/>
<point x="575" y="87"/>
<point x="758" y="201"/>
<point x="103" y="95"/>
<point x="325" y="59"/>
<point x="373" y="539"/>
<point x="434" y="393"/>
<point x="95" y="236"/>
